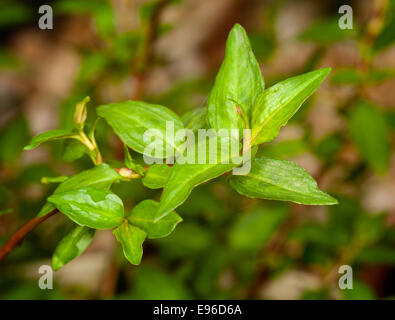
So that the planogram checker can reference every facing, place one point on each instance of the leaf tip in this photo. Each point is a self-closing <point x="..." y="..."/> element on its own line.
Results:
<point x="329" y="200"/>
<point x="237" y="26"/>
<point x="333" y="201"/>
<point x="237" y="29"/>
<point x="28" y="147"/>
<point x="325" y="71"/>
<point x="56" y="263"/>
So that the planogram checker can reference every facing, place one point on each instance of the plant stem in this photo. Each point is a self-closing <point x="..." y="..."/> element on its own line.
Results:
<point x="21" y="233"/>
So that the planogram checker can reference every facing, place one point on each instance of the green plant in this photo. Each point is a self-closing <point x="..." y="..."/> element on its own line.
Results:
<point x="238" y="102"/>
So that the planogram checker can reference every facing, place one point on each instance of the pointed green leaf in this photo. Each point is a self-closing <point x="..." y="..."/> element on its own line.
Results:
<point x="131" y="239"/>
<point x="71" y="246"/>
<point x="156" y="176"/>
<point x="91" y="207"/>
<point x="47" y="136"/>
<point x="131" y="119"/>
<point x="237" y="85"/>
<point x="144" y="215"/>
<point x="279" y="103"/>
<point x="368" y="130"/>
<point x="185" y="177"/>
<point x="101" y="176"/>
<point x="280" y="180"/>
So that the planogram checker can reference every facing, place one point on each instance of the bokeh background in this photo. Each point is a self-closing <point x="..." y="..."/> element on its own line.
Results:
<point x="168" y="52"/>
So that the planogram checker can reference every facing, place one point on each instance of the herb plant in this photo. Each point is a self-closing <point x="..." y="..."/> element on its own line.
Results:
<point x="237" y="101"/>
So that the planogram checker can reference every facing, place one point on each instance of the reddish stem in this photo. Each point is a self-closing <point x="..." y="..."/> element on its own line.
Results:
<point x="18" y="236"/>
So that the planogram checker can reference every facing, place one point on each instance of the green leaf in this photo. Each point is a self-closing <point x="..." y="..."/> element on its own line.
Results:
<point x="71" y="246"/>
<point x="131" y="239"/>
<point x="253" y="230"/>
<point x="237" y="85"/>
<point x="195" y="119"/>
<point x="47" y="136"/>
<point x="131" y="119"/>
<point x="130" y="163"/>
<point x="91" y="207"/>
<point x="144" y="214"/>
<point x="368" y="130"/>
<point x="101" y="176"/>
<point x="185" y="177"/>
<point x="156" y="176"/>
<point x="274" y="107"/>
<point x="280" y="180"/>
